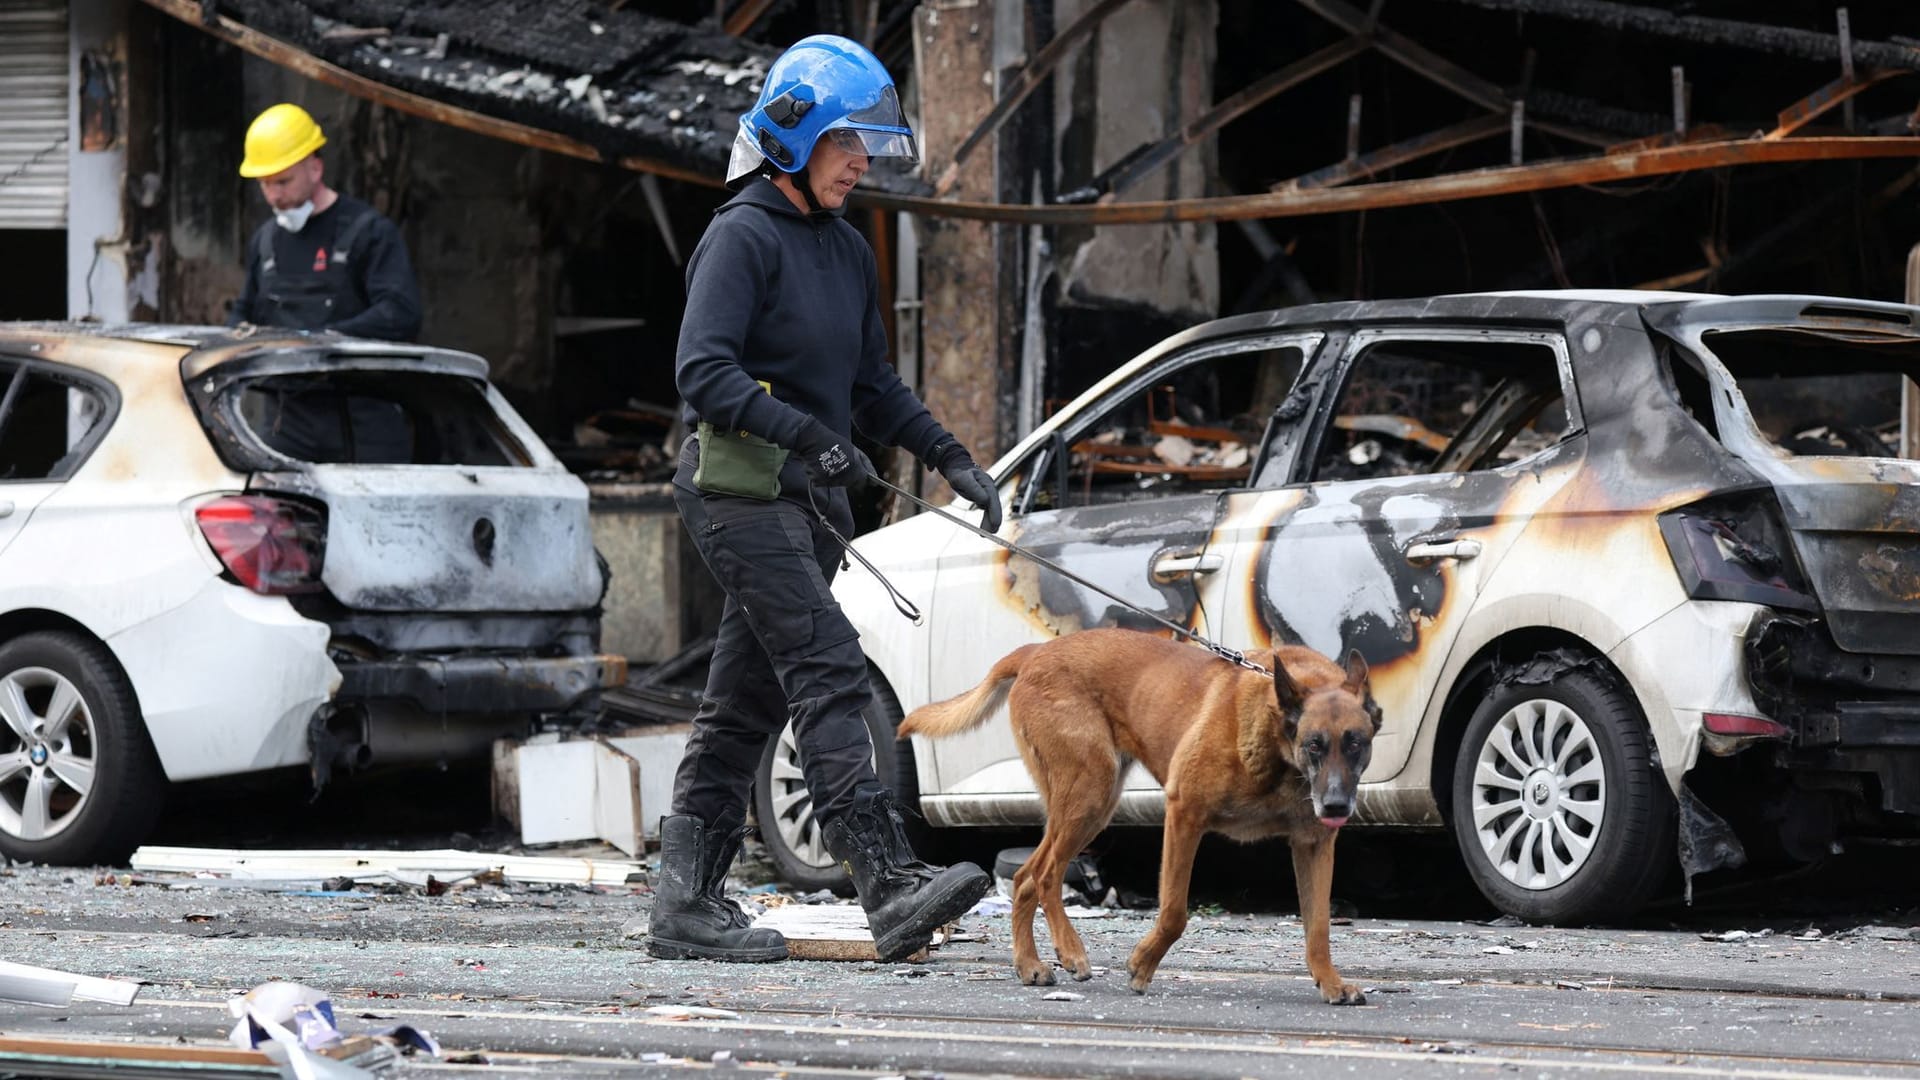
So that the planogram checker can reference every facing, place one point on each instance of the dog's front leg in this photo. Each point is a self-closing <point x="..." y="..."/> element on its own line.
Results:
<point x="1313" y="873"/>
<point x="1182" y="838"/>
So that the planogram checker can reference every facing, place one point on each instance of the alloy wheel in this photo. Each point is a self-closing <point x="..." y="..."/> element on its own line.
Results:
<point x="1539" y="794"/>
<point x="47" y="753"/>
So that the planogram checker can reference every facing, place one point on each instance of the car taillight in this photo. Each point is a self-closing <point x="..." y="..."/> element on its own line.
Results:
<point x="1735" y="548"/>
<point x="272" y="546"/>
<point x="1735" y="724"/>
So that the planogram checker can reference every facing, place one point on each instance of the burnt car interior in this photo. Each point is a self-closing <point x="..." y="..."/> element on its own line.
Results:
<point x="1410" y="407"/>
<point x="1814" y="391"/>
<point x="44" y="424"/>
<point x="1192" y="428"/>
<point x="377" y="418"/>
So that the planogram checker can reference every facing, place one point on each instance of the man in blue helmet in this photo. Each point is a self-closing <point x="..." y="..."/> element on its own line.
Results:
<point x="782" y="354"/>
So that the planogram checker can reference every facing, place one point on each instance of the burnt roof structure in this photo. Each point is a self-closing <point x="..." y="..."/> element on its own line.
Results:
<point x="605" y="82"/>
<point x="627" y="86"/>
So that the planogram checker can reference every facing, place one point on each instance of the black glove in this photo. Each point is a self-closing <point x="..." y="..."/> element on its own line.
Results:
<point x="969" y="480"/>
<point x="831" y="459"/>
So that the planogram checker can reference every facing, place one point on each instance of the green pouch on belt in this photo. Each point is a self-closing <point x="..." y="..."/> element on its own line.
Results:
<point x="738" y="463"/>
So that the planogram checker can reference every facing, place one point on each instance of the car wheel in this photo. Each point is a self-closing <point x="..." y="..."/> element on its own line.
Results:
<point x="1557" y="806"/>
<point x="79" y="782"/>
<point x="783" y="805"/>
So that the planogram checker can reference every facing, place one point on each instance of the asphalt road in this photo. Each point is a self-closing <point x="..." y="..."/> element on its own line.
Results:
<point x="1812" y="976"/>
<point x="542" y="980"/>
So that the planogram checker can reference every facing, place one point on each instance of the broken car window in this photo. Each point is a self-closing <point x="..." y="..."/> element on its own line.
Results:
<point x="1192" y="428"/>
<point x="1826" y="394"/>
<point x="378" y="418"/>
<point x="1424" y="406"/>
<point x="44" y="423"/>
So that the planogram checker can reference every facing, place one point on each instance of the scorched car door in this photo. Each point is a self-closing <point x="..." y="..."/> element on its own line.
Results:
<point x="1127" y="495"/>
<point x="1409" y="485"/>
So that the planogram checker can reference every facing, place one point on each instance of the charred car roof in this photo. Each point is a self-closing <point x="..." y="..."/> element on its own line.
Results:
<point x="228" y="353"/>
<point x="1673" y="314"/>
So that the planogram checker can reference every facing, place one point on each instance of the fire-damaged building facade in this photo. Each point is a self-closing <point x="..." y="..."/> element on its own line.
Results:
<point x="1095" y="176"/>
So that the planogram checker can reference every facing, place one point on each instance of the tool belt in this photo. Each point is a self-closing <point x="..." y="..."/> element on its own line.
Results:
<point x="738" y="463"/>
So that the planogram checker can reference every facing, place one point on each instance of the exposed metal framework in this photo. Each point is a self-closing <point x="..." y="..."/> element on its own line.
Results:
<point x="1333" y="189"/>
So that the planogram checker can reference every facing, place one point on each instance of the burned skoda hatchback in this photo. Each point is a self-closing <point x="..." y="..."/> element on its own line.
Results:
<point x="222" y="554"/>
<point x="1637" y="575"/>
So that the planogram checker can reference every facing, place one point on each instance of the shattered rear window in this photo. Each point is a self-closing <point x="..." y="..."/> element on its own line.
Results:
<point x="378" y="418"/>
<point x="1829" y="393"/>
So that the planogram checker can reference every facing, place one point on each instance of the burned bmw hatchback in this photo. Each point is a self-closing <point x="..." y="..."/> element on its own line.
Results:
<point x="223" y="553"/>
<point x="1637" y="574"/>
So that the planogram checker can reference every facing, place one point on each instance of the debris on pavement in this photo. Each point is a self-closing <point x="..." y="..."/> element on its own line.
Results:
<point x="1735" y="935"/>
<point x="832" y="932"/>
<point x="299" y="1021"/>
<point x="691" y="1012"/>
<point x="354" y="1057"/>
<point x="446" y="866"/>
<point x="31" y="985"/>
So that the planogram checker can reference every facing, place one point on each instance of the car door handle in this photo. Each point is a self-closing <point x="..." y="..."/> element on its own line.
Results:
<point x="1422" y="550"/>
<point x="1193" y="563"/>
<point x="6" y="509"/>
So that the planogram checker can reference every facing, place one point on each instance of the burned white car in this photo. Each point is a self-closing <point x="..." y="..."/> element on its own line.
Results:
<point x="225" y="553"/>
<point x="1638" y="575"/>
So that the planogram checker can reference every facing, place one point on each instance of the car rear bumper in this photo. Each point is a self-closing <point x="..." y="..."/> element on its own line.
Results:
<point x="227" y="681"/>
<point x="483" y="684"/>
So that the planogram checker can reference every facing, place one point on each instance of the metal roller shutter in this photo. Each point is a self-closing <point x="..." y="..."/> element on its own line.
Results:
<point x="33" y="114"/>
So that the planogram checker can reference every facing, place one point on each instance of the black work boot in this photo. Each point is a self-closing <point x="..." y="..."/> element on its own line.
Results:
<point x="906" y="900"/>
<point x="692" y="919"/>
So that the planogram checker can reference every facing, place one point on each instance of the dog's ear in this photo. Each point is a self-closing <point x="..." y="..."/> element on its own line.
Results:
<point x="1356" y="673"/>
<point x="1287" y="692"/>
<point x="1359" y="685"/>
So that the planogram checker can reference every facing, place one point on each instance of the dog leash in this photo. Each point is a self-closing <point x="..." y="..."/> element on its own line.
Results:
<point x="901" y="604"/>
<point x="1233" y="656"/>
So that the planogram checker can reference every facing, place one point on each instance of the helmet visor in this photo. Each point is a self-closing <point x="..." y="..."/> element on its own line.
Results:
<point x="875" y="143"/>
<point x="882" y="113"/>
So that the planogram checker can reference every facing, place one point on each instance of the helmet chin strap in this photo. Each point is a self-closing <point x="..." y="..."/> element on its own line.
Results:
<point x="803" y="179"/>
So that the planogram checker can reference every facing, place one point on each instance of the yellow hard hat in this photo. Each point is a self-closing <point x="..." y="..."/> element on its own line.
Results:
<point x="279" y="139"/>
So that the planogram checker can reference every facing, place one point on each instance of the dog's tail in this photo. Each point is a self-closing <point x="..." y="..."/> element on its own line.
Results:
<point x="971" y="709"/>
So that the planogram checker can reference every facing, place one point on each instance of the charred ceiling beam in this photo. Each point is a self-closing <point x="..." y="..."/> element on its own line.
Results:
<point x="1477" y="184"/>
<point x="1149" y="157"/>
<point x="1758" y="37"/>
<point x="1024" y="83"/>
<point x="1430" y="65"/>
<point x="1809" y="108"/>
<point x="1386" y="157"/>
<point x="747" y="15"/>
<point x="298" y="60"/>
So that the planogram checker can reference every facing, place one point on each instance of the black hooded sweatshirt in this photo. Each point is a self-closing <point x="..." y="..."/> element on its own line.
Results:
<point x="791" y="300"/>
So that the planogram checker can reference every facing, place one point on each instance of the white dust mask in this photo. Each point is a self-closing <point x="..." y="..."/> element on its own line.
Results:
<point x="295" y="218"/>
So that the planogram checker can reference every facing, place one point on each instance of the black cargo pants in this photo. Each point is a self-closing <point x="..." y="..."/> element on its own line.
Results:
<point x="785" y="652"/>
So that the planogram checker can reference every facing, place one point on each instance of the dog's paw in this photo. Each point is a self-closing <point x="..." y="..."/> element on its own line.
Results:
<point x="1343" y="994"/>
<point x="1083" y="972"/>
<point x="1138" y="984"/>
<point x="1039" y="975"/>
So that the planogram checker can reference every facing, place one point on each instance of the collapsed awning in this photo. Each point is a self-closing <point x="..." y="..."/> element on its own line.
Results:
<point x="655" y="96"/>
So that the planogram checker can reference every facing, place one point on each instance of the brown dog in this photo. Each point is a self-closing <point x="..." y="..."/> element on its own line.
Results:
<point x="1237" y="753"/>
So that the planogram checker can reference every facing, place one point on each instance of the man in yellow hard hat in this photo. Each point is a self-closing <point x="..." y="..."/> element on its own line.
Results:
<point x="326" y="261"/>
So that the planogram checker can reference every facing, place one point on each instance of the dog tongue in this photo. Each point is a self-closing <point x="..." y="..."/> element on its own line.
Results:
<point x="1333" y="822"/>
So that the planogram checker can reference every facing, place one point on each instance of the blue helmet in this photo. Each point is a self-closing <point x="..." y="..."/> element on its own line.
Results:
<point x="822" y="84"/>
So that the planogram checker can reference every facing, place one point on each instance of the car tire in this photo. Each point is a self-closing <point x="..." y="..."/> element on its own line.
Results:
<point x="1558" y="808"/>
<point x="71" y="722"/>
<point x="783" y="806"/>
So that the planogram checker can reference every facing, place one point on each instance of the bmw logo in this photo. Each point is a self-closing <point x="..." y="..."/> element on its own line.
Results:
<point x="38" y="755"/>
